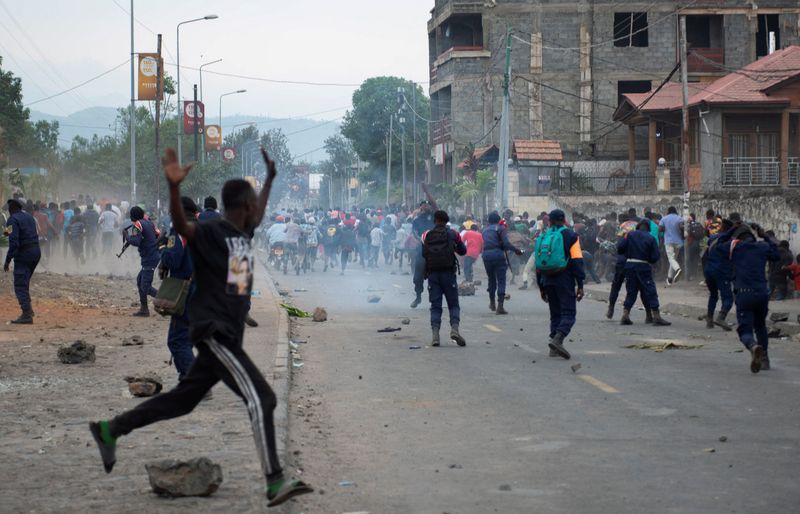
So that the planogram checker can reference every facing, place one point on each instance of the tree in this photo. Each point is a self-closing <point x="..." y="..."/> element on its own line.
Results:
<point x="366" y="126"/>
<point x="478" y="189"/>
<point x="13" y="114"/>
<point x="277" y="146"/>
<point x="341" y="157"/>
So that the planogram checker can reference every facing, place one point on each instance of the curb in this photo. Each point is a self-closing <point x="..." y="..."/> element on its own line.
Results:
<point x="281" y="372"/>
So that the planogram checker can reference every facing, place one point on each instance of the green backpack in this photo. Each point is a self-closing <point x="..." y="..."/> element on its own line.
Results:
<point x="550" y="255"/>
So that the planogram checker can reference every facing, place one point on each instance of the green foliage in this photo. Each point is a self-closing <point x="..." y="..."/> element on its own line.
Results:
<point x="477" y="192"/>
<point x="13" y="114"/>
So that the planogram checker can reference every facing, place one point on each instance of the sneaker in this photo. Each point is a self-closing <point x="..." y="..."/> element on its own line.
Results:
<point x="251" y="322"/>
<point x="105" y="443"/>
<point x="677" y="274"/>
<point x="669" y="282"/>
<point x="284" y="490"/>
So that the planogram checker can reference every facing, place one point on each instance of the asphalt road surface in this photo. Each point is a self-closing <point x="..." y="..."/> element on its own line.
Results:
<point x="498" y="426"/>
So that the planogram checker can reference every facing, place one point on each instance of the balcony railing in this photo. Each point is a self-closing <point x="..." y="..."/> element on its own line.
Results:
<point x="459" y="51"/>
<point x="750" y="171"/>
<point x="706" y="60"/>
<point x="794" y="171"/>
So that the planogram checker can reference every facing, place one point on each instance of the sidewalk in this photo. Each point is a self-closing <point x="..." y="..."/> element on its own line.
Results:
<point x="51" y="463"/>
<point x="690" y="300"/>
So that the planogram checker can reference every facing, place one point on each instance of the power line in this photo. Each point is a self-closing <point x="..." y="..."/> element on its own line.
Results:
<point x="126" y="61"/>
<point x="166" y="49"/>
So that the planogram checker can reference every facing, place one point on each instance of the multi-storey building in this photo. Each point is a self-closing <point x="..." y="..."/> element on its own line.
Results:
<point x="572" y="62"/>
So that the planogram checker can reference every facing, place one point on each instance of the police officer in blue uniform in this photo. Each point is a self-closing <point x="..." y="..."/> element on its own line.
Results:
<point x="641" y="251"/>
<point x="718" y="271"/>
<point x="23" y="249"/>
<point x="143" y="235"/>
<point x="564" y="289"/>
<point x="749" y="258"/>
<point x="177" y="262"/>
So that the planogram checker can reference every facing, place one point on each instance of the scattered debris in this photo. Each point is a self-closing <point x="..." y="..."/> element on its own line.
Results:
<point x="466" y="289"/>
<point x="76" y="353"/>
<point x="133" y="341"/>
<point x="405" y="321"/>
<point x="295" y="312"/>
<point x="301" y="290"/>
<point x="710" y="450"/>
<point x="775" y="333"/>
<point x="389" y="329"/>
<point x="296" y="363"/>
<point x="575" y="367"/>
<point x="476" y="282"/>
<point x="660" y="347"/>
<point x="196" y="477"/>
<point x="255" y="293"/>
<point x="455" y="466"/>
<point x="505" y="487"/>
<point x="779" y="316"/>
<point x="320" y="314"/>
<point x="347" y="483"/>
<point x="283" y="292"/>
<point x="374" y="299"/>
<point x="723" y="439"/>
<point x="147" y="384"/>
<point x="414" y="347"/>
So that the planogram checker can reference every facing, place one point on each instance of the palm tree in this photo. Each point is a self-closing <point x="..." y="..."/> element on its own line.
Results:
<point x="480" y="188"/>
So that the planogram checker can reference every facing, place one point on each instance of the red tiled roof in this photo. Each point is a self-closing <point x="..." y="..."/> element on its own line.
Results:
<point x="537" y="150"/>
<point x="749" y="85"/>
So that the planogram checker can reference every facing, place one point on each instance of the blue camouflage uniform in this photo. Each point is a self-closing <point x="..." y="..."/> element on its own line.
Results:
<point x="560" y="287"/>
<point x="718" y="271"/>
<point x="495" y="246"/>
<point x="445" y="284"/>
<point x="175" y="257"/>
<point x="143" y="236"/>
<point x="23" y="248"/>
<point x="641" y="250"/>
<point x="749" y="259"/>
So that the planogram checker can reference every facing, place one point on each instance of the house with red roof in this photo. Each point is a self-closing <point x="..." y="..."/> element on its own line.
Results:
<point x="744" y="127"/>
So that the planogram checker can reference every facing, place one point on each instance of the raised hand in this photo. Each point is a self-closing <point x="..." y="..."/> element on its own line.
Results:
<point x="272" y="172"/>
<point x="172" y="170"/>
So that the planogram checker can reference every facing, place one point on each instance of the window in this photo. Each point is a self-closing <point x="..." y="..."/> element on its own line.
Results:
<point x="704" y="31"/>
<point x="630" y="29"/>
<point x="536" y="180"/>
<point x="632" y="86"/>
<point x="768" y="30"/>
<point x="737" y="145"/>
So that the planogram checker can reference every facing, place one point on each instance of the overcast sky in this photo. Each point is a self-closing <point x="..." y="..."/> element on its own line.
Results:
<point x="56" y="44"/>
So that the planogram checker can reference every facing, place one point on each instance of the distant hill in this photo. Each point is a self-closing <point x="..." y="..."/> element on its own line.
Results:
<point x="304" y="135"/>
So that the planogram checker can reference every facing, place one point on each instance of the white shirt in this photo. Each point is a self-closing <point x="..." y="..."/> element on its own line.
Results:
<point x="108" y="221"/>
<point x="277" y="233"/>
<point x="377" y="236"/>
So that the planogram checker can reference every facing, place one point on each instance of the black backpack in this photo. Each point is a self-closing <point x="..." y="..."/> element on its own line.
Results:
<point x="439" y="250"/>
<point x="697" y="231"/>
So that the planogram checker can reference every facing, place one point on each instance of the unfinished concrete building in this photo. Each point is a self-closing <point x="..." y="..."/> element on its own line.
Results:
<point x="571" y="64"/>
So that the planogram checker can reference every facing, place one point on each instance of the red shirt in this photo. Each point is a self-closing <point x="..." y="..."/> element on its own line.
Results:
<point x="474" y="241"/>
<point x="795" y="269"/>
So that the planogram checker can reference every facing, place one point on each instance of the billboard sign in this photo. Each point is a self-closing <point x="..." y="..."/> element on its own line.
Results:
<point x="149" y="66"/>
<point x="188" y="117"/>
<point x="213" y="138"/>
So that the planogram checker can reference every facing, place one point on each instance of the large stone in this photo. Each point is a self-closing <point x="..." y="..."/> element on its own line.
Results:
<point x="196" y="477"/>
<point x="147" y="384"/>
<point x="76" y="353"/>
<point x="466" y="289"/>
<point x="320" y="314"/>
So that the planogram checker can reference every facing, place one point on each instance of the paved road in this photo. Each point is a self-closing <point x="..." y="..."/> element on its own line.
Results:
<point x="500" y="427"/>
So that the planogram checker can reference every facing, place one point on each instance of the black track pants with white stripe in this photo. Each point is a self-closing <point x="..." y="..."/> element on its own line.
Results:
<point x="214" y="362"/>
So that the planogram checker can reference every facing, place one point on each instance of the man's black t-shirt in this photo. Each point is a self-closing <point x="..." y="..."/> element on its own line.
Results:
<point x="422" y="223"/>
<point x="223" y="261"/>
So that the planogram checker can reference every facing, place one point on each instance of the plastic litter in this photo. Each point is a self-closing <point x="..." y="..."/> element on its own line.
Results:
<point x="255" y="293"/>
<point x="295" y="312"/>
<point x="414" y="347"/>
<point x="389" y="329"/>
<point x="347" y="483"/>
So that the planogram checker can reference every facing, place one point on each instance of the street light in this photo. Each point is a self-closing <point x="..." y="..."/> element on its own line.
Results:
<point x="201" y="75"/>
<point x="220" y="103"/>
<point x="178" y="51"/>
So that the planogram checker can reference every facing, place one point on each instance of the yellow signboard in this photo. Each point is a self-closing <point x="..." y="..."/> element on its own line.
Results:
<point x="149" y="67"/>
<point x="213" y="138"/>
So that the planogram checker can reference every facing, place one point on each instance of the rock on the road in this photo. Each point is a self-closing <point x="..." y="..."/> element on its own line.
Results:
<point x="466" y="289"/>
<point x="196" y="477"/>
<point x="320" y="314"/>
<point x="76" y="353"/>
<point x="147" y="384"/>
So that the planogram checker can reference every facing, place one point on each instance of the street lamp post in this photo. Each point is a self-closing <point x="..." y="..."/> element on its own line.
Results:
<point x="178" y="52"/>
<point x="220" y="103"/>
<point x="201" y="75"/>
<point x="243" y="153"/>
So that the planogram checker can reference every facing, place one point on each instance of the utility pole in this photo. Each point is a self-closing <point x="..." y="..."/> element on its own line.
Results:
<point x="501" y="197"/>
<point x="157" y="175"/>
<point x="685" y="141"/>
<point x="133" y="117"/>
<point x="389" y="159"/>
<point x="196" y="133"/>
<point x="403" y="156"/>
<point x="415" y="196"/>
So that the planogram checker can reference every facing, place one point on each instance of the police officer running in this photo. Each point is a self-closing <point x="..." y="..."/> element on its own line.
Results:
<point x="23" y="248"/>
<point x="423" y="222"/>
<point x="177" y="261"/>
<point x="641" y="251"/>
<point x="749" y="258"/>
<point x="560" y="275"/>
<point x="439" y="248"/>
<point x="143" y="235"/>
<point x="718" y="272"/>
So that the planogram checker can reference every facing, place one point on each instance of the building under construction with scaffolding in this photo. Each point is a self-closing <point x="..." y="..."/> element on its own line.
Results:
<point x="571" y="63"/>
